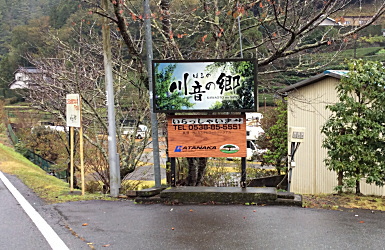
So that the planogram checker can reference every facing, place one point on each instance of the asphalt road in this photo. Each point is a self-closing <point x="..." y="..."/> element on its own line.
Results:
<point x="17" y="230"/>
<point x="14" y="222"/>
<point x="126" y="225"/>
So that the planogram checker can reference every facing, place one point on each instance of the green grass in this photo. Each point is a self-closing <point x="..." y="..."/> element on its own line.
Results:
<point x="47" y="187"/>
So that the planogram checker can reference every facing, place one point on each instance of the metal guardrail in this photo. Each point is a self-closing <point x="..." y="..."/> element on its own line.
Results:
<point x="45" y="165"/>
<point x="12" y="135"/>
<point x="37" y="159"/>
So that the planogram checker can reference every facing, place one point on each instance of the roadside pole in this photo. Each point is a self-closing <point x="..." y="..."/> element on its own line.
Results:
<point x="74" y="120"/>
<point x="81" y="150"/>
<point x="154" y="118"/>
<point x="72" y="159"/>
<point x="112" y="152"/>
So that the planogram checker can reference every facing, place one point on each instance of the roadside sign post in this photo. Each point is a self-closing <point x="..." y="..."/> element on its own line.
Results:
<point x="73" y="118"/>
<point x="205" y="86"/>
<point x="72" y="159"/>
<point x="207" y="136"/>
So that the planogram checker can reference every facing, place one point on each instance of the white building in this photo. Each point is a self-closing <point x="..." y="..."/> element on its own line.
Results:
<point x="307" y="102"/>
<point x="22" y="78"/>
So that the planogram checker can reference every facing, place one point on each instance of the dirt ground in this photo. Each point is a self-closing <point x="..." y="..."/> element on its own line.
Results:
<point x="344" y="202"/>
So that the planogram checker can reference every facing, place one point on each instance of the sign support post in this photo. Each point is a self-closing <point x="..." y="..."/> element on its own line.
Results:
<point x="72" y="159"/>
<point x="74" y="119"/>
<point x="243" y="172"/>
<point x="173" y="172"/>
<point x="81" y="159"/>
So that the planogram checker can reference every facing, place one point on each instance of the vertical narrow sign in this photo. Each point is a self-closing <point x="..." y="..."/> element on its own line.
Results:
<point x="73" y="110"/>
<point x="73" y="118"/>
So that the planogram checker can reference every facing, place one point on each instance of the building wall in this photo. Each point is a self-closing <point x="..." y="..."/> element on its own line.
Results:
<point x="355" y="20"/>
<point x="307" y="108"/>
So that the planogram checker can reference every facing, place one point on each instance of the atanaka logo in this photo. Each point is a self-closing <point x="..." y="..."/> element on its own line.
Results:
<point x="229" y="148"/>
<point x="194" y="148"/>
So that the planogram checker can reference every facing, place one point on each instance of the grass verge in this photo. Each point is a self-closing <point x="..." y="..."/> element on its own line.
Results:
<point x="47" y="187"/>
<point x="344" y="202"/>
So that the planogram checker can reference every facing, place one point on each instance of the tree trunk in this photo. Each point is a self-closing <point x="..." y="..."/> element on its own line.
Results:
<point x="202" y="162"/>
<point x="196" y="169"/>
<point x="172" y="50"/>
<point x="358" y="189"/>
<point x="340" y="181"/>
<point x="166" y="22"/>
<point x="192" y="172"/>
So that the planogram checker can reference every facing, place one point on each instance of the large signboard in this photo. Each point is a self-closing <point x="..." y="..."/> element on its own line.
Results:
<point x="73" y="110"/>
<point x="204" y="85"/>
<point x="207" y="136"/>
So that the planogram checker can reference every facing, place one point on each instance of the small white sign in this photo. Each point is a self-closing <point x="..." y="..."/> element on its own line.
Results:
<point x="73" y="110"/>
<point x="296" y="134"/>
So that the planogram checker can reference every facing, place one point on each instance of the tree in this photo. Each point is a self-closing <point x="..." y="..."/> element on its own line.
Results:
<point x="166" y="100"/>
<point x="274" y="32"/>
<point x="246" y="70"/>
<point x="78" y="68"/>
<point x="275" y="137"/>
<point x="60" y="13"/>
<point x="354" y="132"/>
<point x="15" y="13"/>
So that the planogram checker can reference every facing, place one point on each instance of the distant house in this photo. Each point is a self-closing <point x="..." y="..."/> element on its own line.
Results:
<point x="307" y="102"/>
<point x="329" y="22"/>
<point x="353" y="20"/>
<point x="23" y="78"/>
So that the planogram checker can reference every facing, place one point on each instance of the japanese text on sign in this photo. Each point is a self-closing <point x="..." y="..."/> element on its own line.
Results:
<point x="207" y="121"/>
<point x="207" y="136"/>
<point x="73" y="110"/>
<point x="224" y="83"/>
<point x="220" y="85"/>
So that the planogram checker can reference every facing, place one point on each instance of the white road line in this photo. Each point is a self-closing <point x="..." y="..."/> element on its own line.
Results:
<point x="49" y="234"/>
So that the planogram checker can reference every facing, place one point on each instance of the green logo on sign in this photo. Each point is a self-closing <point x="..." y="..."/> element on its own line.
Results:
<point x="229" y="148"/>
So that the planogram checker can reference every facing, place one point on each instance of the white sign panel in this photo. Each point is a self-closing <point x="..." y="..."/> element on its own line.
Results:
<point x="73" y="110"/>
<point x="296" y="134"/>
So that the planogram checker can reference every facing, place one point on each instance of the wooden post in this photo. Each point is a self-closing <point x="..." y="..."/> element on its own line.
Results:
<point x="173" y="175"/>
<point x="82" y="159"/>
<point x="72" y="159"/>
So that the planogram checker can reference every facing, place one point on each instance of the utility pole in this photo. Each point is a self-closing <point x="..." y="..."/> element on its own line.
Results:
<point x="112" y="152"/>
<point x="154" y="118"/>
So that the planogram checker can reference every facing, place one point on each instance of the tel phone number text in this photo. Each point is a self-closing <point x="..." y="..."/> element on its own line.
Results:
<point x="208" y="127"/>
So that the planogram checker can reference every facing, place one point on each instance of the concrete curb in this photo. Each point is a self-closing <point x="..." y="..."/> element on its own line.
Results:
<point x="219" y="195"/>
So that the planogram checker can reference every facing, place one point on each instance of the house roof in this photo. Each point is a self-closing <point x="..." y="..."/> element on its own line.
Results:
<point x="28" y="70"/>
<point x="338" y="74"/>
<point x="329" y="22"/>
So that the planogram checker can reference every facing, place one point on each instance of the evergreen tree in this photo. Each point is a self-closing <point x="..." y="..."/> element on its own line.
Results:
<point x="275" y="137"/>
<point x="354" y="132"/>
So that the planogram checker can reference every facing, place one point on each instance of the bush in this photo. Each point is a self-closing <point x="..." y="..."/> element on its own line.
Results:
<point x="21" y="148"/>
<point x="93" y="187"/>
